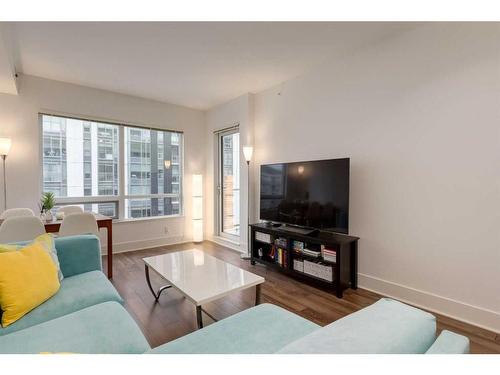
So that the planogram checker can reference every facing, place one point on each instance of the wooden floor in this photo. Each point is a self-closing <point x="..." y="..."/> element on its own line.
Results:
<point x="174" y="316"/>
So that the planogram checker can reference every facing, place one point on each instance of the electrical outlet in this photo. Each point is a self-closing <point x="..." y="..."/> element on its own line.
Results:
<point x="166" y="229"/>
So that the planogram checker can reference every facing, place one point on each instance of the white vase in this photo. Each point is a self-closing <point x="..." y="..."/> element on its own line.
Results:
<point x="48" y="215"/>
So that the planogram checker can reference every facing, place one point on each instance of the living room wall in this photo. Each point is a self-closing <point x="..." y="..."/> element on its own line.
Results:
<point x="419" y="116"/>
<point x="19" y="120"/>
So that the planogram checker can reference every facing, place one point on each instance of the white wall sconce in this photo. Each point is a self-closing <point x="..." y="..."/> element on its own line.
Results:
<point x="197" y="208"/>
<point x="247" y="153"/>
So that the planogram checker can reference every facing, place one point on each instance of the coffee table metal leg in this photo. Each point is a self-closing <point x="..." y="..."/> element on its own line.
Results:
<point x="156" y="295"/>
<point x="257" y="294"/>
<point x="199" y="318"/>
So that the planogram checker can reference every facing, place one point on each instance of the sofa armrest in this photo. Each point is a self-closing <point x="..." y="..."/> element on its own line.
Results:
<point x="78" y="254"/>
<point x="449" y="343"/>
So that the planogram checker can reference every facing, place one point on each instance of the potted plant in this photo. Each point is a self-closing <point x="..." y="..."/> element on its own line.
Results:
<point x="47" y="203"/>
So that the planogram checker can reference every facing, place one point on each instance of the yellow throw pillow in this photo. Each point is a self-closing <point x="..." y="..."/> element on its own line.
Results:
<point x="47" y="242"/>
<point x="28" y="278"/>
<point x="5" y="248"/>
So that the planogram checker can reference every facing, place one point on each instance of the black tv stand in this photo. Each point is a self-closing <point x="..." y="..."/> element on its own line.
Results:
<point x="298" y="230"/>
<point x="271" y="224"/>
<point x="279" y="248"/>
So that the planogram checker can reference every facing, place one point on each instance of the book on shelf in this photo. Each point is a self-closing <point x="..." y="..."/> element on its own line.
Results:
<point x="323" y="247"/>
<point x="312" y="253"/>
<point x="329" y="255"/>
<point x="281" y="242"/>
<point x="279" y="255"/>
<point x="329" y="251"/>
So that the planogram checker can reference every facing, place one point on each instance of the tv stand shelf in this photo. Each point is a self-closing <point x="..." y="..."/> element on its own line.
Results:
<point x="281" y="250"/>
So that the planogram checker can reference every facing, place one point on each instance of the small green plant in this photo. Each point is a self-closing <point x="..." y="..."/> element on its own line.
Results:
<point x="47" y="202"/>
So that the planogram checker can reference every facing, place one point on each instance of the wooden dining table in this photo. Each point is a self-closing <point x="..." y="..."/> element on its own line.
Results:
<point x="102" y="222"/>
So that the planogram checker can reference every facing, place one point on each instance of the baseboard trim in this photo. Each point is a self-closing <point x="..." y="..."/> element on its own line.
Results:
<point x="475" y="315"/>
<point x="226" y="243"/>
<point x="124" y="247"/>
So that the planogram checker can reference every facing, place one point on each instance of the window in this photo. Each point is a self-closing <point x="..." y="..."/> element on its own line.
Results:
<point x="82" y="160"/>
<point x="72" y="149"/>
<point x="152" y="173"/>
<point x="228" y="184"/>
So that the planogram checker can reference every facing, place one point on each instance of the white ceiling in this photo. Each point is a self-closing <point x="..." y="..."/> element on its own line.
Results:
<point x="197" y="65"/>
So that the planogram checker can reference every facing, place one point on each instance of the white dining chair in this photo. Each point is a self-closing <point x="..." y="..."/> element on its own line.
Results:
<point x="15" y="212"/>
<point x="21" y="228"/>
<point x="83" y="223"/>
<point x="70" y="210"/>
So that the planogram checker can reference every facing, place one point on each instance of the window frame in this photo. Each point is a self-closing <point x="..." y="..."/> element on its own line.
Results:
<point x="218" y="189"/>
<point x="121" y="197"/>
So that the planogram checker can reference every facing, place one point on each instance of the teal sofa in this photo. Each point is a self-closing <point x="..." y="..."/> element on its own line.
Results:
<point x="386" y="327"/>
<point x="87" y="316"/>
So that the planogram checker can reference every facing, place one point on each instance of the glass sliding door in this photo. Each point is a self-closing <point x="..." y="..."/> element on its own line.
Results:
<point x="229" y="184"/>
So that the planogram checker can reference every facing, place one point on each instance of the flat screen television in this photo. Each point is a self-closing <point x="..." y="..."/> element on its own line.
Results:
<point x="313" y="194"/>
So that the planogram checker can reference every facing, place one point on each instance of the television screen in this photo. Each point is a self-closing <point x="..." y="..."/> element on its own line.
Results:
<point x="312" y="194"/>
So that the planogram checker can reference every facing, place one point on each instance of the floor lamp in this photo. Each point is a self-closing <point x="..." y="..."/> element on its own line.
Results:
<point x="247" y="152"/>
<point x="5" y="144"/>
<point x="197" y="208"/>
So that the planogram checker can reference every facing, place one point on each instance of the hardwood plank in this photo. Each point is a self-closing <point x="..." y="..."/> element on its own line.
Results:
<point x="478" y="344"/>
<point x="174" y="316"/>
<point x="458" y="325"/>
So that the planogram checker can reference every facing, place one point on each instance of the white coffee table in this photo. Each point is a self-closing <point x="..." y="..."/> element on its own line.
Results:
<point x="200" y="277"/>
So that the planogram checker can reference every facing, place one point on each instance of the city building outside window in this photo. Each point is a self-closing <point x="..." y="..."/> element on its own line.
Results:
<point x="82" y="163"/>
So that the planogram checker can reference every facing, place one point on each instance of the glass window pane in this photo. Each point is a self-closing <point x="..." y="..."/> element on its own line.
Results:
<point x="137" y="161"/>
<point x="230" y="166"/>
<point x="152" y="166"/>
<point x="152" y="162"/>
<point x="80" y="158"/>
<point x="151" y="207"/>
<point x="104" y="208"/>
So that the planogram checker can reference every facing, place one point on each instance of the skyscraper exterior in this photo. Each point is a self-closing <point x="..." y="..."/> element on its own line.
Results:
<point x="153" y="166"/>
<point x="81" y="159"/>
